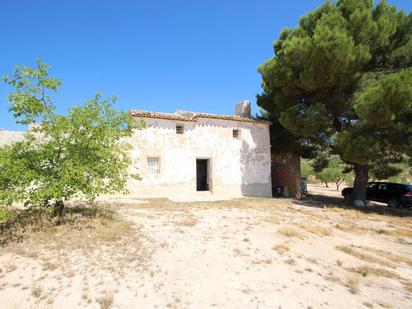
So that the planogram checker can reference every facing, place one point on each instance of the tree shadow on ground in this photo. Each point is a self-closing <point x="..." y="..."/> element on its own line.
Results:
<point x="324" y="201"/>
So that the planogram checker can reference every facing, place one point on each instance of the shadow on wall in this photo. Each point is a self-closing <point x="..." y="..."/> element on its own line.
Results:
<point x="249" y="158"/>
<point x="285" y="170"/>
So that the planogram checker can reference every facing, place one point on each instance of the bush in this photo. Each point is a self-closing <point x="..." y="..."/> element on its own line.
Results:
<point x="4" y="214"/>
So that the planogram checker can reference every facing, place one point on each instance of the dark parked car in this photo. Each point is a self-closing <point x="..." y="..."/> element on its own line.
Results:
<point x="394" y="194"/>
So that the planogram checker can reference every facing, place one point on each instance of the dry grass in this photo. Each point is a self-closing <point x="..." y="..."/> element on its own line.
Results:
<point x="353" y="228"/>
<point x="290" y="261"/>
<point x="315" y="229"/>
<point x="312" y="260"/>
<point x="290" y="232"/>
<point x="374" y="213"/>
<point x="377" y="271"/>
<point x="189" y="221"/>
<point x="352" y="283"/>
<point x="36" y="291"/>
<point x="389" y="255"/>
<point x="408" y="286"/>
<point x="332" y="277"/>
<point x="106" y="300"/>
<point x="49" y="266"/>
<point x="364" y="257"/>
<point x="102" y="223"/>
<point x="384" y="304"/>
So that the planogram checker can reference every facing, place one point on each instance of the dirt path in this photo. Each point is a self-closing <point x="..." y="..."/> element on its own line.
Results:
<point x="249" y="253"/>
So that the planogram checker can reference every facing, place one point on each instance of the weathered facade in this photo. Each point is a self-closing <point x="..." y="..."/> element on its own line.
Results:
<point x="188" y="153"/>
<point x="185" y="153"/>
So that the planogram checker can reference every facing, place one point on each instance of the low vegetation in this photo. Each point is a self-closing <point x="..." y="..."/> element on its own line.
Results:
<point x="291" y="232"/>
<point x="352" y="283"/>
<point x="365" y="256"/>
<point x="366" y="270"/>
<point x="103" y="223"/>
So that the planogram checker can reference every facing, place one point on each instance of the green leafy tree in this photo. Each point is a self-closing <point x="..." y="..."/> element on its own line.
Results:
<point x="341" y="81"/>
<point x="306" y="169"/>
<point x="335" y="172"/>
<point x="83" y="153"/>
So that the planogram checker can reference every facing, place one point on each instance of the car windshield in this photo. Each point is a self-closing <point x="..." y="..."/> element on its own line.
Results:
<point x="409" y="187"/>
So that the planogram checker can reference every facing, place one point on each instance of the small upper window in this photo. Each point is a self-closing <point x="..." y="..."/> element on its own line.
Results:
<point x="153" y="165"/>
<point x="236" y="133"/>
<point x="180" y="129"/>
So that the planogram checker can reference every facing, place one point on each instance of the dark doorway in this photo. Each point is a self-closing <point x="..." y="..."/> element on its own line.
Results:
<point x="202" y="183"/>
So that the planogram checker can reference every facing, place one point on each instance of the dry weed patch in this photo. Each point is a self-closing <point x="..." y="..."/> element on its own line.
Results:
<point x="76" y="227"/>
<point x="290" y="232"/>
<point x="106" y="300"/>
<point x="36" y="291"/>
<point x="312" y="260"/>
<point x="352" y="283"/>
<point x="384" y="304"/>
<point x="290" y="261"/>
<point x="315" y="229"/>
<point x="377" y="271"/>
<point x="363" y="256"/>
<point x="281" y="248"/>
<point x="103" y="223"/>
<point x="408" y="286"/>
<point x="389" y="255"/>
<point x="396" y="232"/>
<point x="49" y="266"/>
<point x="188" y="221"/>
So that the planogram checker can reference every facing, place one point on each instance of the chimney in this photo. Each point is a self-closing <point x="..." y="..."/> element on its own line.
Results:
<point x="243" y="109"/>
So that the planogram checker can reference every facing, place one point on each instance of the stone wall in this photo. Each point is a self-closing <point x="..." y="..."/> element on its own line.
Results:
<point x="286" y="172"/>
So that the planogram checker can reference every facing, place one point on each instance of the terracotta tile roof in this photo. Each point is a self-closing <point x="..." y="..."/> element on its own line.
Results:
<point x="192" y="116"/>
<point x="157" y="115"/>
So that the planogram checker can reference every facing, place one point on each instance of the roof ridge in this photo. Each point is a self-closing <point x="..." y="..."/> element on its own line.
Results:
<point x="192" y="116"/>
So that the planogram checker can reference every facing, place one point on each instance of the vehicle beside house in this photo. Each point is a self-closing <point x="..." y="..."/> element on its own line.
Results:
<point x="393" y="194"/>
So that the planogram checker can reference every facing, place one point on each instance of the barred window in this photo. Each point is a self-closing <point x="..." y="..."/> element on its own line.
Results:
<point x="153" y="165"/>
<point x="236" y="133"/>
<point x="180" y="129"/>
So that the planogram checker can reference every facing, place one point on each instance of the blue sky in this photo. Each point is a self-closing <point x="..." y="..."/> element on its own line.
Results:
<point x="154" y="55"/>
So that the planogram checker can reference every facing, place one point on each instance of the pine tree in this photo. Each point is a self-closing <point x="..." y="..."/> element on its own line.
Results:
<point x="342" y="81"/>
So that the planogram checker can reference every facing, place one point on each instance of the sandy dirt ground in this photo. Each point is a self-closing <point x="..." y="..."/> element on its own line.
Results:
<point x="321" y="189"/>
<point x="245" y="253"/>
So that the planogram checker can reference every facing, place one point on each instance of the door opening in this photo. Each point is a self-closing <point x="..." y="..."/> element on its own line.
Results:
<point x="202" y="180"/>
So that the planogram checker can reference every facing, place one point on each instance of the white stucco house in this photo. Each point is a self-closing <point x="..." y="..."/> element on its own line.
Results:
<point x="185" y="153"/>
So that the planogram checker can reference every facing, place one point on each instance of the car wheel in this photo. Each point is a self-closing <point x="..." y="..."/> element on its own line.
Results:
<point x="394" y="203"/>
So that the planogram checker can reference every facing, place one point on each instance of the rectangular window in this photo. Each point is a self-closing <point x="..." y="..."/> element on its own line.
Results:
<point x="180" y="129"/>
<point x="236" y="133"/>
<point x="153" y="166"/>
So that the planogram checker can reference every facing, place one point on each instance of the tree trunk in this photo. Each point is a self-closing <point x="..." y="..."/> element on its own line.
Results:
<point x="58" y="208"/>
<point x="326" y="184"/>
<point x="360" y="182"/>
